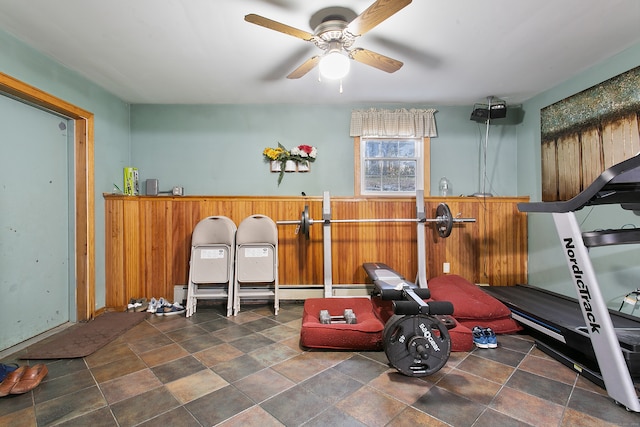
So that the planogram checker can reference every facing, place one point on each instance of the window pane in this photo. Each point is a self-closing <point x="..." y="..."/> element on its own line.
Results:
<point x="390" y="149"/>
<point x="390" y="183"/>
<point x="406" y="149"/>
<point x="372" y="175"/>
<point x="372" y="184"/>
<point x="407" y="184"/>
<point x="408" y="168"/>
<point x="390" y="165"/>
<point x="372" y="149"/>
<point x="373" y="167"/>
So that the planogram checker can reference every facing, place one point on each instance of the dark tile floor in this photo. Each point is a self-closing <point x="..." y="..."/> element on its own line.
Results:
<point x="250" y="370"/>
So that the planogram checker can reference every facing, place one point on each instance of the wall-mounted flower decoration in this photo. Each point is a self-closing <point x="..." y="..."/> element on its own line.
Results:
<point x="301" y="155"/>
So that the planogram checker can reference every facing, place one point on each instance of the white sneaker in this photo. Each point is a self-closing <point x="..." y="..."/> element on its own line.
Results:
<point x="153" y="306"/>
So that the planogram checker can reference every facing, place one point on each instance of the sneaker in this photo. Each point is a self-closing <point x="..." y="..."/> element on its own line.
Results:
<point x="137" y="305"/>
<point x="175" y="308"/>
<point x="132" y="304"/>
<point x="153" y="306"/>
<point x="479" y="338"/>
<point x="140" y="304"/>
<point x="164" y="307"/>
<point x="160" y="306"/>
<point x="492" y="340"/>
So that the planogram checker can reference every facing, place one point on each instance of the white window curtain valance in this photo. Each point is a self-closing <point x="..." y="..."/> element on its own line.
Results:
<point x="393" y="123"/>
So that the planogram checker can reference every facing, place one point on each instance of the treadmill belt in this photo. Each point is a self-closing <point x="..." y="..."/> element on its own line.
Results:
<point x="559" y="315"/>
<point x="563" y="311"/>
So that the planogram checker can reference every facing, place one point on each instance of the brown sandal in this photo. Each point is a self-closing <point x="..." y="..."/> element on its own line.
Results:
<point x="31" y="378"/>
<point x="11" y="380"/>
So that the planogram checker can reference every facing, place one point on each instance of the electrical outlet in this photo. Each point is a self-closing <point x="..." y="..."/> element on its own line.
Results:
<point x="446" y="267"/>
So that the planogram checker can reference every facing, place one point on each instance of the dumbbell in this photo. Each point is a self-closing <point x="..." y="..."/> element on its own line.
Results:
<point x="348" y="316"/>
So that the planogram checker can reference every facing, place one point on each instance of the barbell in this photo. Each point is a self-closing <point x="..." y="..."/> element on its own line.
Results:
<point x="444" y="221"/>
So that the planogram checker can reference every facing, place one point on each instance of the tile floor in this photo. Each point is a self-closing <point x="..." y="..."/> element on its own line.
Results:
<point x="250" y="370"/>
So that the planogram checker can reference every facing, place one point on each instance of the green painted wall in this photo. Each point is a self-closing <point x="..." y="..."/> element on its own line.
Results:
<point x="616" y="267"/>
<point x="111" y="127"/>
<point x="217" y="149"/>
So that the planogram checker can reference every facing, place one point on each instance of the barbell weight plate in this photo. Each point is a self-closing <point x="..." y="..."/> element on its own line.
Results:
<point x="446" y="320"/>
<point x="416" y="345"/>
<point x="444" y="220"/>
<point x="305" y="223"/>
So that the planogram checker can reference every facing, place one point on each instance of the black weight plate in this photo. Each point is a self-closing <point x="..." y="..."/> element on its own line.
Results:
<point x="416" y="345"/>
<point x="305" y="223"/>
<point x="445" y="220"/>
<point x="446" y="320"/>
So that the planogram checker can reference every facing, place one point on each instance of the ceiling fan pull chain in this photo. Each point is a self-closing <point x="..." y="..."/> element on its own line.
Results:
<point x="340" y="85"/>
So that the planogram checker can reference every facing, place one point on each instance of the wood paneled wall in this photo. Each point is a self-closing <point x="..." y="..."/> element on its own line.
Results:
<point x="148" y="240"/>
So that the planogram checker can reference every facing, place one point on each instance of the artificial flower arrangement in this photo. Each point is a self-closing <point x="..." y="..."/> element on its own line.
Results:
<point x="278" y="154"/>
<point x="304" y="153"/>
<point x="300" y="154"/>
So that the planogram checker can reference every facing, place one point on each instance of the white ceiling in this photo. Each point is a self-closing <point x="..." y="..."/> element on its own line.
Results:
<point x="455" y="52"/>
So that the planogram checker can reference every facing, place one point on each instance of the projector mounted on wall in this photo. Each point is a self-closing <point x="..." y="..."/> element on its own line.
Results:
<point x="494" y="109"/>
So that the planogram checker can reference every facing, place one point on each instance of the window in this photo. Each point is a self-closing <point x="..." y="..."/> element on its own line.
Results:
<point x="391" y="166"/>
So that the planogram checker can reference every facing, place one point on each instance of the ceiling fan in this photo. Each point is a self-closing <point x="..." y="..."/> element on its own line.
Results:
<point x="335" y="31"/>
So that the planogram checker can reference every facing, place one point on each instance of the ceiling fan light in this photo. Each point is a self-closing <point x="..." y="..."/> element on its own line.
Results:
<point x="334" y="66"/>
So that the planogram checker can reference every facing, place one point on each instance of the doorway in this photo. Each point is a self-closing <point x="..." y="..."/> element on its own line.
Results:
<point x="81" y="193"/>
<point x="35" y="248"/>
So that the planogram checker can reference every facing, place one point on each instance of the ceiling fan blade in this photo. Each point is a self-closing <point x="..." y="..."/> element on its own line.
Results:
<point x="277" y="26"/>
<point x="375" y="14"/>
<point x="279" y="3"/>
<point x="375" y="60"/>
<point x="279" y="69"/>
<point x="307" y="66"/>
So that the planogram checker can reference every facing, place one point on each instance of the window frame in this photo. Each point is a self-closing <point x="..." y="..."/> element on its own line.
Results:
<point x="424" y="158"/>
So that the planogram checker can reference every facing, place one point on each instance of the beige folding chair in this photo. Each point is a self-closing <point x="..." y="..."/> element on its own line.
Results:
<point x="211" y="265"/>
<point x="256" y="261"/>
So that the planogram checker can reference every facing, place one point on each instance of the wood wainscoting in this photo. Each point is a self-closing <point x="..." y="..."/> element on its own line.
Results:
<point x="148" y="240"/>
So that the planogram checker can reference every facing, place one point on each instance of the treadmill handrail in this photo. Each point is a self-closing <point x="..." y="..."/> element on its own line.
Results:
<point x="609" y="182"/>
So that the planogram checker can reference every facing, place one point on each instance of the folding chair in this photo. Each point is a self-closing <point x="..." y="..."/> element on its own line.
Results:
<point x="256" y="261"/>
<point x="211" y="264"/>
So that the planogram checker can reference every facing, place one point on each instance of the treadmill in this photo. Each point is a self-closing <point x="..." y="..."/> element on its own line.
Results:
<point x="582" y="332"/>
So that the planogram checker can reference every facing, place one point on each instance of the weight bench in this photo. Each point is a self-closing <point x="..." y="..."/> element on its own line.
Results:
<point x="386" y="281"/>
<point x="416" y="338"/>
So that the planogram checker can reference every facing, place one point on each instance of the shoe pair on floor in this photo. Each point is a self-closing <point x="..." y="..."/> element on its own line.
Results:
<point x="137" y="304"/>
<point x="161" y="307"/>
<point x="19" y="380"/>
<point x="484" y="337"/>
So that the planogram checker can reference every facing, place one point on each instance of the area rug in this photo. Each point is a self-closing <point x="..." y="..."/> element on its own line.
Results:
<point x="82" y="339"/>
